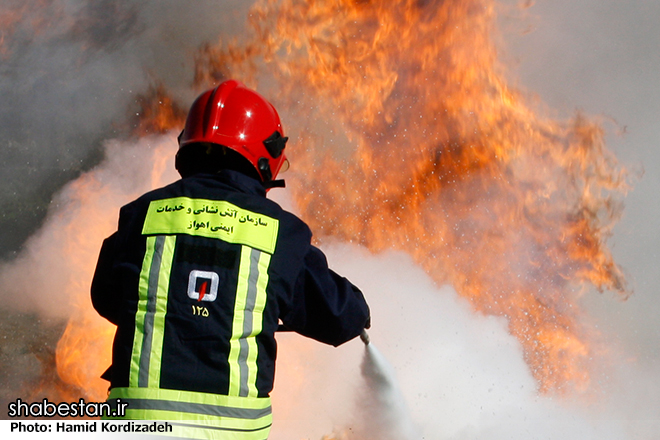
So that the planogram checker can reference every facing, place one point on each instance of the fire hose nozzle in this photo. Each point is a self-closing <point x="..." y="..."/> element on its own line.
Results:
<point x="364" y="337"/>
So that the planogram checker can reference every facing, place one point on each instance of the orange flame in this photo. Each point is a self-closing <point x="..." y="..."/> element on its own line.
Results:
<point x="88" y="214"/>
<point x="157" y="112"/>
<point x="438" y="157"/>
<point x="409" y="138"/>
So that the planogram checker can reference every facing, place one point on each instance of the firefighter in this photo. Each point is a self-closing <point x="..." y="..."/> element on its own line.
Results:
<point x="200" y="273"/>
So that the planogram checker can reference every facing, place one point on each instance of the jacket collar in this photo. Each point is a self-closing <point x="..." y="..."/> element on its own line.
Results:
<point x="237" y="180"/>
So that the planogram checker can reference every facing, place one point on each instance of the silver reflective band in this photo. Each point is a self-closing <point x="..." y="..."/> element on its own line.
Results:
<point x="197" y="408"/>
<point x="247" y="323"/>
<point x="218" y="428"/>
<point x="152" y="292"/>
<point x="248" y="319"/>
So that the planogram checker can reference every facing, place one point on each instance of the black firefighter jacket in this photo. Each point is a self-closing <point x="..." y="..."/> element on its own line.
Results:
<point x="197" y="277"/>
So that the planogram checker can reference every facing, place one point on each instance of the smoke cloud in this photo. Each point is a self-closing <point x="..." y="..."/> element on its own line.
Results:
<point x="60" y="258"/>
<point x="460" y="375"/>
<point x="69" y="72"/>
<point x="70" y="75"/>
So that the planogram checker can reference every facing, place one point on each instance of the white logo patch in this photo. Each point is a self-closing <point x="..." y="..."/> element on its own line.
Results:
<point x="203" y="286"/>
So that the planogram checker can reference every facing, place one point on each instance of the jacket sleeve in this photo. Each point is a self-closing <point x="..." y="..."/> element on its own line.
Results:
<point x="104" y="291"/>
<point x="325" y="306"/>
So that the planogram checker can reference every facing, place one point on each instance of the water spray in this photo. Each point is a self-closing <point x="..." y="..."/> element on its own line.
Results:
<point x="385" y="415"/>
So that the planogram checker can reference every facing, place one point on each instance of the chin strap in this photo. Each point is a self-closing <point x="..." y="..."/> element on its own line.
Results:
<point x="274" y="184"/>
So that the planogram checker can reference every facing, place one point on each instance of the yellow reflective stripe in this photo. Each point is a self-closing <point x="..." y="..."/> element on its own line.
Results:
<point x="238" y="322"/>
<point x="227" y="423"/>
<point x="195" y="432"/>
<point x="141" y="312"/>
<point x="161" y="311"/>
<point x="211" y="413"/>
<point x="248" y="322"/>
<point x="257" y="322"/>
<point x="151" y="311"/>
<point x="192" y="397"/>
<point x="213" y="219"/>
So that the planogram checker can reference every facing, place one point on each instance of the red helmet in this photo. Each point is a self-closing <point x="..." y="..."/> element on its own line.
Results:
<point x="238" y="118"/>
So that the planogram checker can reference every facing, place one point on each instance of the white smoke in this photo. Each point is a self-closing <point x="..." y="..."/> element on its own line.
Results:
<point x="71" y="73"/>
<point x="461" y="375"/>
<point x="54" y="270"/>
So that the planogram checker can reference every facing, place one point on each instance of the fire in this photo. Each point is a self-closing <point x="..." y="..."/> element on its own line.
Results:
<point x="157" y="113"/>
<point x="83" y="352"/>
<point x="425" y="148"/>
<point x="408" y="137"/>
<point x="84" y="213"/>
